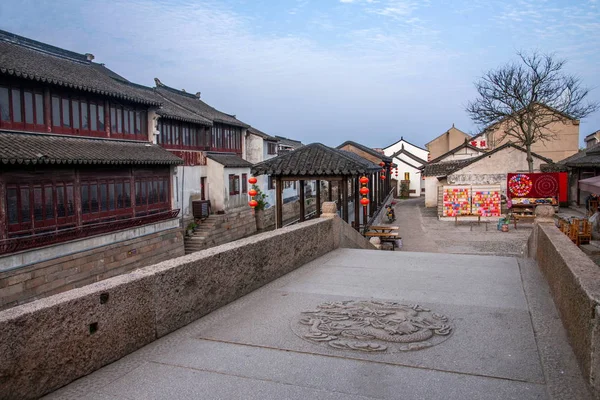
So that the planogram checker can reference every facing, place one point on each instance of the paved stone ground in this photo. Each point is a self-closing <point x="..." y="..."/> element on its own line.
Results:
<point x="506" y="340"/>
<point x="422" y="231"/>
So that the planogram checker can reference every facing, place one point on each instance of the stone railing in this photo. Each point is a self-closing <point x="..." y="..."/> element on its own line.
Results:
<point x="574" y="281"/>
<point x="50" y="342"/>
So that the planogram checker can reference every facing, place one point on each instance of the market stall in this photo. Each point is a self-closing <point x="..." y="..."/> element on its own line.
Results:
<point x="480" y="201"/>
<point x="528" y="190"/>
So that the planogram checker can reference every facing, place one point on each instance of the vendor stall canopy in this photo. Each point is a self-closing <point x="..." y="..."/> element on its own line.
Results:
<point x="591" y="185"/>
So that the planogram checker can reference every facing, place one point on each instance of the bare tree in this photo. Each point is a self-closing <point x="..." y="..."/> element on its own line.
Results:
<point x="527" y="98"/>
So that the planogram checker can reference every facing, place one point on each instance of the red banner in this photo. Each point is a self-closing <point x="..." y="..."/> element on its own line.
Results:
<point x="533" y="185"/>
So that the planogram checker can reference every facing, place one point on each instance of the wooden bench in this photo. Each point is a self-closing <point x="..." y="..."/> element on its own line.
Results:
<point x="385" y="237"/>
<point x="517" y="217"/>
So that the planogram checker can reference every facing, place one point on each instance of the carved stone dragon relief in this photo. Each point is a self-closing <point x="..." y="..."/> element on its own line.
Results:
<point x="372" y="326"/>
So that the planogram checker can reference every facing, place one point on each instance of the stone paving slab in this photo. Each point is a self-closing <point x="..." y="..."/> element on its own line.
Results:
<point x="493" y="342"/>
<point x="249" y="349"/>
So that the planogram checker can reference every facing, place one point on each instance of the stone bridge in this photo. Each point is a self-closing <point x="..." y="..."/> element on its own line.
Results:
<point x="312" y="312"/>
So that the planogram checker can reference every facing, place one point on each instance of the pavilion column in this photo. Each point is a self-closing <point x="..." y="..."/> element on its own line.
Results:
<point x="372" y="195"/>
<point x="302" y="212"/>
<point x="329" y="191"/>
<point x="339" y="195"/>
<point x="279" y="200"/>
<point x="356" y="203"/>
<point x="318" y="205"/>
<point x="345" y="198"/>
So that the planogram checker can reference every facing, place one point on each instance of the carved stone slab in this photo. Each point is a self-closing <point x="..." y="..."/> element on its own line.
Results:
<point x="372" y="326"/>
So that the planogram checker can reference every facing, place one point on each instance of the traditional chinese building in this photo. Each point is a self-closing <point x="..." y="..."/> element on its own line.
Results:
<point x="79" y="173"/>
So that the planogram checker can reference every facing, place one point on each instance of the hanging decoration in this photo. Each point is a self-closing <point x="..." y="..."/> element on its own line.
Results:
<point x="252" y="192"/>
<point x="364" y="191"/>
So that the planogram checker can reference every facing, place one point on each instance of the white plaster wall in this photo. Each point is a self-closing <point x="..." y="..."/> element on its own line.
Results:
<point x="389" y="151"/>
<point x="186" y="184"/>
<point x="216" y="184"/>
<point x="254" y="149"/>
<point x="431" y="191"/>
<point x="462" y="154"/>
<point x="415" y="177"/>
<point x="231" y="202"/>
<point x="492" y="170"/>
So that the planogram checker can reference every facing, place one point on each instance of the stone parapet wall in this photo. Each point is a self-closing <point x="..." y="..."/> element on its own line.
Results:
<point x="222" y="228"/>
<point x="50" y="342"/>
<point x="59" y="274"/>
<point x="574" y="281"/>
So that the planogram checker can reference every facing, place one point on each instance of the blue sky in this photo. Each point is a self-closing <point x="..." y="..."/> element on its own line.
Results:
<point x="323" y="70"/>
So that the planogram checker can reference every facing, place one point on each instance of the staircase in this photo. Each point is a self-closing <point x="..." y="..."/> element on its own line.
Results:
<point x="220" y="229"/>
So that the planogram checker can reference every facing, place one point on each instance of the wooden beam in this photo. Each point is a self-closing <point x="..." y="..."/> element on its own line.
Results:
<point x="345" y="198"/>
<point x="311" y="177"/>
<point x="302" y="212"/>
<point x="318" y="205"/>
<point x="279" y="200"/>
<point x="356" y="203"/>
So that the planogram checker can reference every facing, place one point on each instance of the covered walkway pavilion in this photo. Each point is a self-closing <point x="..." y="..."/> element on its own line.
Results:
<point x="322" y="163"/>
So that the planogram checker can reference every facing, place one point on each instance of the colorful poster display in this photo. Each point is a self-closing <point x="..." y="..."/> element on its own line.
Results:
<point x="457" y="201"/>
<point x="486" y="203"/>
<point x="533" y="185"/>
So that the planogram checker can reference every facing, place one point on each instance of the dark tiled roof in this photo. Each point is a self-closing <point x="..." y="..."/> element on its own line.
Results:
<point x="583" y="158"/>
<point x="456" y="149"/>
<point x="553" y="168"/>
<point x="590" y="158"/>
<point x="230" y="160"/>
<point x="193" y="103"/>
<point x="314" y="159"/>
<point x="410" y="155"/>
<point x="366" y="150"/>
<point x="261" y="134"/>
<point x="29" y="59"/>
<point x="443" y="168"/>
<point x="449" y="167"/>
<point x="295" y="144"/>
<point x="37" y="148"/>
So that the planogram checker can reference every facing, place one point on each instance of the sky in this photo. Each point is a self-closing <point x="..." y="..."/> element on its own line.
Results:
<point x="326" y="71"/>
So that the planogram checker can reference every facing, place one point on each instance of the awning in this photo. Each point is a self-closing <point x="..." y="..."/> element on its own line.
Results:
<point x="591" y="185"/>
<point x="39" y="148"/>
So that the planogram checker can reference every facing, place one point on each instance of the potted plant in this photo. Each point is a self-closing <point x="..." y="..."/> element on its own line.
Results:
<point x="190" y="228"/>
<point x="259" y="210"/>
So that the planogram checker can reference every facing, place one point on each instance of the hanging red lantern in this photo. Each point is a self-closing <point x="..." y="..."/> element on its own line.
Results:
<point x="252" y="192"/>
<point x="364" y="191"/>
<point x="364" y="180"/>
<point x="252" y="180"/>
<point x="381" y="164"/>
<point x="253" y="203"/>
<point x="382" y="177"/>
<point x="364" y="201"/>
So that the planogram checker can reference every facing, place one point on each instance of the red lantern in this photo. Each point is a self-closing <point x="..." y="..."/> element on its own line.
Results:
<point x="382" y="177"/>
<point x="364" y="180"/>
<point x="253" y="203"/>
<point x="252" y="192"/>
<point x="364" y="201"/>
<point x="364" y="191"/>
<point x="381" y="164"/>
<point x="252" y="180"/>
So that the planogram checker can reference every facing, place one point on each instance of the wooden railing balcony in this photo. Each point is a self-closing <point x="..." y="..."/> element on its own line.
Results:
<point x="30" y="241"/>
